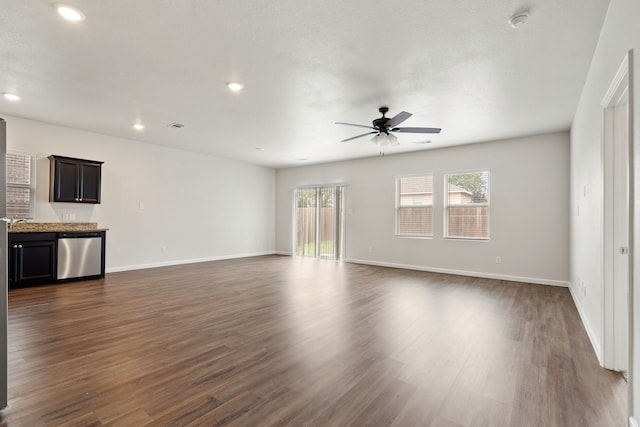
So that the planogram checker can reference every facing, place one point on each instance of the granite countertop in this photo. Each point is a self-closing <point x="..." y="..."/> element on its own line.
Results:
<point x="52" y="227"/>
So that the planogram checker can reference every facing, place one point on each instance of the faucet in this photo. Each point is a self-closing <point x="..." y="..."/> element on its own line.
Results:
<point x="13" y="221"/>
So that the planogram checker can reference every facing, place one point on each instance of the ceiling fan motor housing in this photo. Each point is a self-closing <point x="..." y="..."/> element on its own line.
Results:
<point x="380" y="123"/>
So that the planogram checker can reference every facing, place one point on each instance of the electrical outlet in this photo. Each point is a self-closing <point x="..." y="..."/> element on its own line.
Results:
<point x="498" y="260"/>
<point x="163" y="249"/>
<point x="141" y="206"/>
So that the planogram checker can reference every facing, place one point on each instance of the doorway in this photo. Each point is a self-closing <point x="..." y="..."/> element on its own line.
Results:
<point x="616" y="218"/>
<point x="319" y="221"/>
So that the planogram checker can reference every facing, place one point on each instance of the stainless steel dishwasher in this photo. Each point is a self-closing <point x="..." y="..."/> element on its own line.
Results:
<point x="79" y="254"/>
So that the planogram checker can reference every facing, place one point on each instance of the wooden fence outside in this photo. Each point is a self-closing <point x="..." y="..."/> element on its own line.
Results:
<point x="468" y="222"/>
<point x="306" y="226"/>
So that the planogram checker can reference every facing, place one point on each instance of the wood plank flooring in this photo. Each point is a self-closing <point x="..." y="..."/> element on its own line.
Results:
<point x="282" y="341"/>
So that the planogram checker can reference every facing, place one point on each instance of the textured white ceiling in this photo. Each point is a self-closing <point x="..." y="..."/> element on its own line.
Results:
<point x="454" y="64"/>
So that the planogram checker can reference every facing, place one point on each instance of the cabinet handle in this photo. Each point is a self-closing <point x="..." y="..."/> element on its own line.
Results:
<point x="16" y="263"/>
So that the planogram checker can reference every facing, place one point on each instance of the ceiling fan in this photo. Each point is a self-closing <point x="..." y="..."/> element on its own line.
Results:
<point x="384" y="125"/>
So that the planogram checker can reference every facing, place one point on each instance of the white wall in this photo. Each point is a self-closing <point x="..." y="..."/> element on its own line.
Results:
<point x="198" y="207"/>
<point x="620" y="33"/>
<point x="529" y="218"/>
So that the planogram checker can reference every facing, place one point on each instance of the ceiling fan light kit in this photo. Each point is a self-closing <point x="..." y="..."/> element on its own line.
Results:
<point x="384" y="126"/>
<point x="385" y="139"/>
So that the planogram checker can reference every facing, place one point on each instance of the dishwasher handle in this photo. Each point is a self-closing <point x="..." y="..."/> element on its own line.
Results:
<point x="76" y="235"/>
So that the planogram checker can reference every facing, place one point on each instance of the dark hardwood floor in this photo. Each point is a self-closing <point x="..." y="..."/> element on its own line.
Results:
<point x="279" y="341"/>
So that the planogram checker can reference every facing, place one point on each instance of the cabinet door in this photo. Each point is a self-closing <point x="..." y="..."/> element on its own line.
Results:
<point x="66" y="181"/>
<point x="32" y="262"/>
<point x="90" y="182"/>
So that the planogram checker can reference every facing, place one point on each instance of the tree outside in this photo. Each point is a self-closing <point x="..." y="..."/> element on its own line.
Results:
<point x="307" y="198"/>
<point x="476" y="183"/>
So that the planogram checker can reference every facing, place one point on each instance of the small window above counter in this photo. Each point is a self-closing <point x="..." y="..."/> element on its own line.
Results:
<point x="74" y="180"/>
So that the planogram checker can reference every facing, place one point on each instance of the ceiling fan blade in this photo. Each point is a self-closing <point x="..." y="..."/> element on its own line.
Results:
<point x="416" y="130"/>
<point x="351" y="124"/>
<point x="359" y="136"/>
<point x="397" y="119"/>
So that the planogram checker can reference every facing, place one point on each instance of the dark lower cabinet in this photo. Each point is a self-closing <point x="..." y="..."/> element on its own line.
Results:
<point x="32" y="258"/>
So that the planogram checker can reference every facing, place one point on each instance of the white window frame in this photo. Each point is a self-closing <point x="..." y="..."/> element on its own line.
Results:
<point x="446" y="205"/>
<point x="398" y="206"/>
<point x="31" y="186"/>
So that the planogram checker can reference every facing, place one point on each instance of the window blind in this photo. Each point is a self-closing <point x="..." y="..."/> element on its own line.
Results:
<point x="414" y="206"/>
<point x="319" y="222"/>
<point x="467" y="205"/>
<point x="21" y="188"/>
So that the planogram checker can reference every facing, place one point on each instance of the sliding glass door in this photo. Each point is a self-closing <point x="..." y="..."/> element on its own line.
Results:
<point x="319" y="221"/>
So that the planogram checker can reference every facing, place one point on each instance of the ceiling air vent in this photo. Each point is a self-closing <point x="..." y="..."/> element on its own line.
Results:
<point x="175" y="125"/>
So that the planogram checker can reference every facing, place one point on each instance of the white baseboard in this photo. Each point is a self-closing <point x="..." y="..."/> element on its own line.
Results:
<point x="283" y="253"/>
<point x="534" y="280"/>
<point x="633" y="422"/>
<point x="184" y="261"/>
<point x="587" y="326"/>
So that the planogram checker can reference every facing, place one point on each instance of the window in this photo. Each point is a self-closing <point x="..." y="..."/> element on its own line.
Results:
<point x="21" y="185"/>
<point x="414" y="206"/>
<point x="467" y="205"/>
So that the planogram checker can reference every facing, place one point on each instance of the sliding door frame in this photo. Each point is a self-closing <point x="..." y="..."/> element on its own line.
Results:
<point x="338" y="249"/>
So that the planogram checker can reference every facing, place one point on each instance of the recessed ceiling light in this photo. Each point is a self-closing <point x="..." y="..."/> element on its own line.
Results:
<point x="69" y="13"/>
<point x="11" y="96"/>
<point x="302" y="159"/>
<point x="235" y="86"/>
<point x="138" y="126"/>
<point x="259" y="149"/>
<point x="519" y="19"/>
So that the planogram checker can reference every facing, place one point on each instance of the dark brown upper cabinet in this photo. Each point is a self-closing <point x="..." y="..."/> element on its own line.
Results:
<point x="74" y="180"/>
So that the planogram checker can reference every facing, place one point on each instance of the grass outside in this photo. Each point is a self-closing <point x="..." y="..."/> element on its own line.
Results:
<point x="326" y="246"/>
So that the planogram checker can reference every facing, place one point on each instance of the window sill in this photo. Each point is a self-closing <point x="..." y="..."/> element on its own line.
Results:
<point x="402" y="236"/>
<point x="468" y="239"/>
